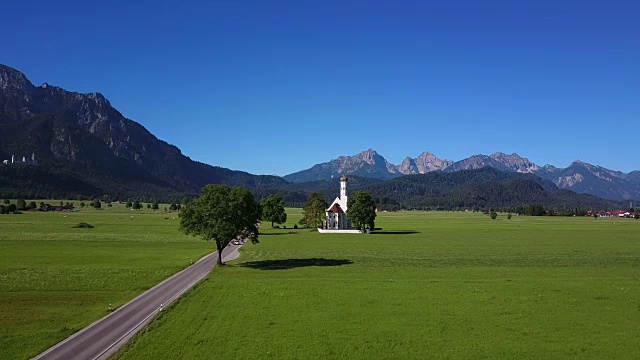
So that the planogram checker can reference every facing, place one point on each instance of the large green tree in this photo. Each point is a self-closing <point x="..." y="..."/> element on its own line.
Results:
<point x="21" y="204"/>
<point x="273" y="209"/>
<point x="361" y="210"/>
<point x="313" y="210"/>
<point x="222" y="214"/>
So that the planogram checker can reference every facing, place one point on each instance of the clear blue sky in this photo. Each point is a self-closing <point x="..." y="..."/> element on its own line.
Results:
<point x="272" y="87"/>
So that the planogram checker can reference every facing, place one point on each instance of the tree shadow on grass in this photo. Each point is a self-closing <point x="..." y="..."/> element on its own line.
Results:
<point x="397" y="232"/>
<point x="278" y="233"/>
<point x="285" y="264"/>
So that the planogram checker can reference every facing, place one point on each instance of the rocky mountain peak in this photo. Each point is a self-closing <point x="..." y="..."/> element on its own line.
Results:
<point x="92" y="109"/>
<point x="408" y="166"/>
<point x="75" y="96"/>
<point x="429" y="162"/>
<point x="427" y="155"/>
<point x="500" y="156"/>
<point x="13" y="81"/>
<point x="515" y="162"/>
<point x="369" y="156"/>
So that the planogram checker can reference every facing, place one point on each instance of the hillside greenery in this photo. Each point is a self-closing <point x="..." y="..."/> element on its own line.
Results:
<point x="481" y="189"/>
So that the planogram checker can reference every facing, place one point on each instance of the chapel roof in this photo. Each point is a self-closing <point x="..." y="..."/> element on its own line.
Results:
<point x="335" y="208"/>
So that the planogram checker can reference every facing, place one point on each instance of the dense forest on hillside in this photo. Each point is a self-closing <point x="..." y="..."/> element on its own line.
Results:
<point x="485" y="188"/>
<point x="478" y="189"/>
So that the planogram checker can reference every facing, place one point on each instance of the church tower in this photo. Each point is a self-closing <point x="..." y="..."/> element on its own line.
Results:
<point x="343" y="191"/>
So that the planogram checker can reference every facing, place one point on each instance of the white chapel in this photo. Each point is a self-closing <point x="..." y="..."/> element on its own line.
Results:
<point x="336" y="215"/>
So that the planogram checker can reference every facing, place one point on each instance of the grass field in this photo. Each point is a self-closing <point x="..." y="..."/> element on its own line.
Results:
<point x="429" y="286"/>
<point x="55" y="279"/>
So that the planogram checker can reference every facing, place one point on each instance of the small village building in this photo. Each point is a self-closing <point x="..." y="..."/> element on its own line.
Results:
<point x="49" y="207"/>
<point x="624" y="214"/>
<point x="25" y="160"/>
<point x="605" y="214"/>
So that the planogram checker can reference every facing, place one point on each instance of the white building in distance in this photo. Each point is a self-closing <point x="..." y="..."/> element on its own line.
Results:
<point x="336" y="214"/>
<point x="25" y="160"/>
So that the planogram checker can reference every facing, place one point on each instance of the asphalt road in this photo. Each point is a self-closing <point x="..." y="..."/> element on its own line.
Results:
<point x="107" y="335"/>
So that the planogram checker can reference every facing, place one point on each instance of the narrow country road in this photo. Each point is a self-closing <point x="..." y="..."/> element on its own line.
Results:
<point x="105" y="336"/>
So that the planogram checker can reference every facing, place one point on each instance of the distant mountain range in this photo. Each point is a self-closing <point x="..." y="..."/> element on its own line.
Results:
<point x="482" y="188"/>
<point x="579" y="177"/>
<point x="85" y="148"/>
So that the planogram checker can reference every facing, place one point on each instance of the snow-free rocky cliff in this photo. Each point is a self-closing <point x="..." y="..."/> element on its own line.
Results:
<point x="579" y="176"/>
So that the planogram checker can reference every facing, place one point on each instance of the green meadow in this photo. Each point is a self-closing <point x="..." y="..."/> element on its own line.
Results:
<point x="56" y="279"/>
<point x="428" y="286"/>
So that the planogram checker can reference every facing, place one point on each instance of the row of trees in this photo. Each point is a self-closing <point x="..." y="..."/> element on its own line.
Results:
<point x="5" y="209"/>
<point x="483" y="189"/>
<point x="22" y="205"/>
<point x="137" y="205"/>
<point x="361" y="210"/>
<point x="19" y="205"/>
<point x="223" y="214"/>
<point x="95" y="203"/>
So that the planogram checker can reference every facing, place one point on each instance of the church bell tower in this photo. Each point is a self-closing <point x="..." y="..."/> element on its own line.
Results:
<point x="343" y="189"/>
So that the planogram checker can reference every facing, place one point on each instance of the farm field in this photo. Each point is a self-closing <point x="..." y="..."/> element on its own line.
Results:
<point x="428" y="286"/>
<point x="56" y="279"/>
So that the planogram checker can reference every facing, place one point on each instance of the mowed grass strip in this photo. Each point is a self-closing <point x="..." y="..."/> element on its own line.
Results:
<point x="56" y="279"/>
<point x="429" y="285"/>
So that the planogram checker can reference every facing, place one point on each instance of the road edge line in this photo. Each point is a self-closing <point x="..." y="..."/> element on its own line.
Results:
<point x="44" y="353"/>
